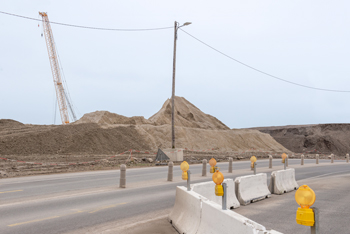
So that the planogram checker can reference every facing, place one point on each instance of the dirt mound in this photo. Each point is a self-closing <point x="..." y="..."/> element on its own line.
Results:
<point x="69" y="139"/>
<point x="102" y="132"/>
<point x="186" y="115"/>
<point x="9" y="123"/>
<point x="324" y="138"/>
<point x="105" y="117"/>
<point x="197" y="138"/>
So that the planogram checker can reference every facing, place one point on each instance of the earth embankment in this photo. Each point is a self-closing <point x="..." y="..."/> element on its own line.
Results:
<point x="318" y="138"/>
<point x="102" y="132"/>
<point x="97" y="140"/>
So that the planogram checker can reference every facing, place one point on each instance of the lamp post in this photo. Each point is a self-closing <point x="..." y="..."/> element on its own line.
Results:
<point x="176" y="27"/>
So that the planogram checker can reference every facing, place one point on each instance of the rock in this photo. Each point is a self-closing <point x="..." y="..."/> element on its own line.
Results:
<point x="3" y="174"/>
<point x="149" y="160"/>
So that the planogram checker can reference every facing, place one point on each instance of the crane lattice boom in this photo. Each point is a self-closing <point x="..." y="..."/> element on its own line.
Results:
<point x="60" y="93"/>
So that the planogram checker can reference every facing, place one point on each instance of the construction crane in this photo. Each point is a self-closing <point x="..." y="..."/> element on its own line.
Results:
<point x="62" y="97"/>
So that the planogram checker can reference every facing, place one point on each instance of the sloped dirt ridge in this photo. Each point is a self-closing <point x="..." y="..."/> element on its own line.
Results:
<point x="318" y="138"/>
<point x="107" y="133"/>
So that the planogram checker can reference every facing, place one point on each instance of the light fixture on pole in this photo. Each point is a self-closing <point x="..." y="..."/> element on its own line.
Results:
<point x="176" y="27"/>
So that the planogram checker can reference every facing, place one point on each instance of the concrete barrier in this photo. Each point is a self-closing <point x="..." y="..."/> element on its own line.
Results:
<point x="283" y="181"/>
<point x="251" y="188"/>
<point x="194" y="214"/>
<point x="216" y="220"/>
<point x="207" y="190"/>
<point x="185" y="216"/>
<point x="175" y="155"/>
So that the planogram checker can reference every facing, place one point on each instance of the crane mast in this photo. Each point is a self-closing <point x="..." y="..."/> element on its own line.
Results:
<point x="62" y="98"/>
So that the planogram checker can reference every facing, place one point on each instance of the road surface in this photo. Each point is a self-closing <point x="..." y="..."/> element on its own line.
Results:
<point x="91" y="202"/>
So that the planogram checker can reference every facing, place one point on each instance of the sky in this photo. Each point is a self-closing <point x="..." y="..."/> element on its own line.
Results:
<point x="130" y="72"/>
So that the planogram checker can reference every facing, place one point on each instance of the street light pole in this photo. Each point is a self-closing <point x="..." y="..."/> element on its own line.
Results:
<point x="176" y="27"/>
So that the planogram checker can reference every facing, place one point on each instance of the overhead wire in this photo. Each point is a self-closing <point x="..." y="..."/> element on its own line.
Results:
<point x="211" y="47"/>
<point x="88" y="27"/>
<point x="262" y="72"/>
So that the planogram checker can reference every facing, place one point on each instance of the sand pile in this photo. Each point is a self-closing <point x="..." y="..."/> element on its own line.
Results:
<point x="186" y="115"/>
<point x="68" y="139"/>
<point x="9" y="123"/>
<point x="102" y="132"/>
<point x="107" y="118"/>
<point x="197" y="138"/>
<point x="325" y="138"/>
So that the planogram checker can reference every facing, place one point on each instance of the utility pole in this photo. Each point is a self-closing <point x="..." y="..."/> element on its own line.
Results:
<point x="173" y="91"/>
<point x="176" y="27"/>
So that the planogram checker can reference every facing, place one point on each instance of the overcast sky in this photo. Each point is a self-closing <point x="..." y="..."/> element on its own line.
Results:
<point x="130" y="73"/>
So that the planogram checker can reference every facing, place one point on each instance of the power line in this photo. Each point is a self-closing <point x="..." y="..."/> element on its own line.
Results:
<point x="265" y="73"/>
<point x="87" y="27"/>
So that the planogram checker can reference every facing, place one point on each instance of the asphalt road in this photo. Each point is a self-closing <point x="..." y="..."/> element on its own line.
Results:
<point x="332" y="199"/>
<point x="92" y="202"/>
<point x="34" y="186"/>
